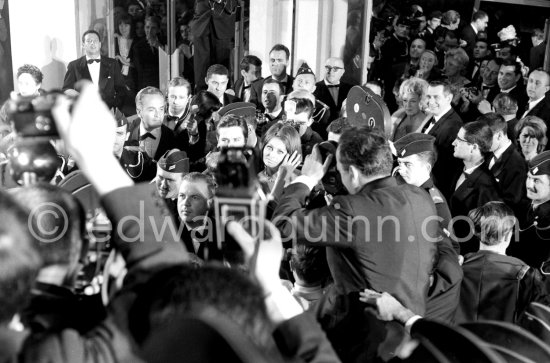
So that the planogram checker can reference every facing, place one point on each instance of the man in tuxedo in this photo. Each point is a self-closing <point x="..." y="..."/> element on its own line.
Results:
<point x="279" y="57"/>
<point x="331" y="90"/>
<point x="195" y="198"/>
<point x="469" y="32"/>
<point x="251" y="71"/>
<point x="217" y="77"/>
<point x="510" y="80"/>
<point x="433" y="21"/>
<point x="506" y="163"/>
<point x="103" y="72"/>
<point x="171" y="168"/>
<point x="481" y="53"/>
<point x="190" y="135"/>
<point x="536" y="54"/>
<point x="148" y="139"/>
<point x="305" y="80"/>
<point x="474" y="185"/>
<point x="444" y="126"/>
<point x="537" y="88"/>
<point x="507" y="107"/>
<point x="272" y="99"/>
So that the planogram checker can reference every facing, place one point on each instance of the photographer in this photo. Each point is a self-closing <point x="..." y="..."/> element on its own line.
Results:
<point x="299" y="107"/>
<point x="358" y="255"/>
<point x="112" y="340"/>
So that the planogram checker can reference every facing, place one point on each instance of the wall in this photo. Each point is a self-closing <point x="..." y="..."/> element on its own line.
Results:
<point x="320" y="30"/>
<point x="43" y="34"/>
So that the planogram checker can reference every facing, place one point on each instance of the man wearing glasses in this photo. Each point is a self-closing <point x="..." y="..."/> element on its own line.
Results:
<point x="103" y="72"/>
<point x="330" y="90"/>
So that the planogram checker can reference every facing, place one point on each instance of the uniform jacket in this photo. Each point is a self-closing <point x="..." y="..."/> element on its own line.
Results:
<point x="361" y="257"/>
<point x="497" y="287"/>
<point x="111" y="82"/>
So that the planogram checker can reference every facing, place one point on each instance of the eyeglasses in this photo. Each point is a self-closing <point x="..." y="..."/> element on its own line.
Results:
<point x="333" y="69"/>
<point x="92" y="41"/>
<point x="463" y="140"/>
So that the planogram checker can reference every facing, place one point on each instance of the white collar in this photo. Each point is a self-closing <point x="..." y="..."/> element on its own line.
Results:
<point x="471" y="170"/>
<point x="331" y="84"/>
<point x="508" y="90"/>
<point x="532" y="104"/>
<point x="498" y="153"/>
<point x="473" y="27"/>
<point x="437" y="118"/>
<point x="142" y="130"/>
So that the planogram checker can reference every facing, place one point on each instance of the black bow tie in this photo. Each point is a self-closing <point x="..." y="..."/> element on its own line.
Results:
<point x="146" y="135"/>
<point x="333" y="85"/>
<point x="170" y="118"/>
<point x="90" y="61"/>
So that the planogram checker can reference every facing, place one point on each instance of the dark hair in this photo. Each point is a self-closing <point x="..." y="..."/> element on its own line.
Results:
<point x="196" y="176"/>
<point x="184" y="289"/>
<point x="538" y="127"/>
<point x="180" y="82"/>
<point x="310" y="263"/>
<point x="480" y="134"/>
<point x="207" y="103"/>
<point x="512" y="63"/>
<point x="280" y="47"/>
<point x="480" y="14"/>
<point x="272" y="81"/>
<point x="446" y="86"/>
<point x="304" y="105"/>
<point x="34" y="71"/>
<point x="495" y="121"/>
<point x="19" y="261"/>
<point x="217" y="69"/>
<point x="125" y="19"/>
<point x="91" y="31"/>
<point x="58" y="222"/>
<point x="492" y="221"/>
<point x="248" y="60"/>
<point x="366" y="149"/>
<point x="338" y="126"/>
<point x="287" y="134"/>
<point x="435" y="14"/>
<point x="450" y="17"/>
<point x="231" y="121"/>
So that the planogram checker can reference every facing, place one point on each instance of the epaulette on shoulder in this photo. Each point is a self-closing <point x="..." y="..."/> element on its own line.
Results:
<point x="436" y="196"/>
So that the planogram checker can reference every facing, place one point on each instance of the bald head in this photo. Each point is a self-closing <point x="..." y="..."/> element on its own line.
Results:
<point x="334" y="68"/>
<point x="538" y="84"/>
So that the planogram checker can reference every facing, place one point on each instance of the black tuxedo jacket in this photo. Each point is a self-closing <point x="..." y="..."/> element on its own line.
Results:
<point x="221" y="15"/>
<point x="111" y="82"/>
<point x="520" y="95"/>
<point x="227" y="99"/>
<point x="322" y="93"/>
<point x="167" y="140"/>
<point x="542" y="110"/>
<point x="238" y="87"/>
<point x="479" y="188"/>
<point x="445" y="131"/>
<point x="510" y="172"/>
<point x="256" y="90"/>
<point x="469" y="35"/>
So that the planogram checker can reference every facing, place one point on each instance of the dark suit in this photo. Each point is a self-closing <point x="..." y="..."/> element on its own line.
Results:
<point x="167" y="141"/>
<point x="536" y="56"/>
<point x="213" y="27"/>
<point x="520" y="95"/>
<point x="361" y="256"/>
<point x="510" y="172"/>
<point x="111" y="84"/>
<point x="322" y="93"/>
<point x="478" y="188"/>
<point x="146" y="61"/>
<point x="469" y="35"/>
<point x="542" y="110"/>
<point x="256" y="91"/>
<point x="445" y="131"/>
<point x="239" y="91"/>
<point x="227" y="99"/>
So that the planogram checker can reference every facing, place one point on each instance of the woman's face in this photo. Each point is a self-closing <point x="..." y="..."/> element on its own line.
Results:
<point x="124" y="29"/>
<point x="427" y="61"/>
<point x="274" y="153"/>
<point x="528" y="143"/>
<point x="452" y="68"/>
<point x="411" y="103"/>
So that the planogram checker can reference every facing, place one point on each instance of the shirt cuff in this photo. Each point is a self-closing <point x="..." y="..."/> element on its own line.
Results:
<point x="410" y="322"/>
<point x="307" y="180"/>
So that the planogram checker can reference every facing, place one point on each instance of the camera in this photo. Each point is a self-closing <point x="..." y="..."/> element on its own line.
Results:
<point x="238" y="197"/>
<point x="32" y="116"/>
<point x="332" y="181"/>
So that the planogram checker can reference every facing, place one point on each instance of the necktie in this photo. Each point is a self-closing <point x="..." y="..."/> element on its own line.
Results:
<point x="90" y="61"/>
<point x="428" y="125"/>
<point x="492" y="162"/>
<point x="172" y="118"/>
<point x="146" y="135"/>
<point x="333" y="86"/>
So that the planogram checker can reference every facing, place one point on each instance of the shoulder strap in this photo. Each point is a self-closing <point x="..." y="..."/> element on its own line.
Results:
<point x="436" y="195"/>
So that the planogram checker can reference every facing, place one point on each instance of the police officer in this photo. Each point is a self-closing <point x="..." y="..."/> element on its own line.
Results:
<point x="533" y="246"/>
<point x="416" y="156"/>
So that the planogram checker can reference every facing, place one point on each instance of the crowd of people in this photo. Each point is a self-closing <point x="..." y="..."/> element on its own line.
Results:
<point x="437" y="224"/>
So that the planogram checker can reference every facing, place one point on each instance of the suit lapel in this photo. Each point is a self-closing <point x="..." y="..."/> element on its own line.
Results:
<point x="467" y="187"/>
<point x="103" y="73"/>
<point x="83" y="69"/>
<point x="435" y="129"/>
